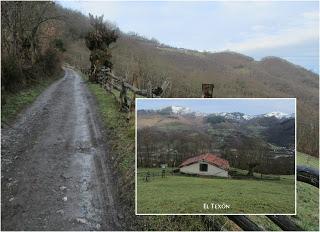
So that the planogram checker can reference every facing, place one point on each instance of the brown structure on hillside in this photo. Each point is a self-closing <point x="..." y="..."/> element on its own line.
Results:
<point x="205" y="164"/>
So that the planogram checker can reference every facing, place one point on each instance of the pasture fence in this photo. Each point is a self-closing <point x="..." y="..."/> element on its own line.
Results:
<point x="125" y="92"/>
<point x="147" y="176"/>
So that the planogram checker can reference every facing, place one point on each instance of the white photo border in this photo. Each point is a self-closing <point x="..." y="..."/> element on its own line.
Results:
<point x="136" y="166"/>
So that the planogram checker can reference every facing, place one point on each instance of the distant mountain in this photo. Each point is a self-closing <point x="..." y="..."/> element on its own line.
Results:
<point x="275" y="127"/>
<point x="180" y="110"/>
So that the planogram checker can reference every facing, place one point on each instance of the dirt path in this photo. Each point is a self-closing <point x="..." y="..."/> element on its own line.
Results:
<point x="54" y="175"/>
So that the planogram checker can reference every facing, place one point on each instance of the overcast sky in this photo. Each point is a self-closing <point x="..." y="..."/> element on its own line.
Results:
<point x="246" y="106"/>
<point x="286" y="29"/>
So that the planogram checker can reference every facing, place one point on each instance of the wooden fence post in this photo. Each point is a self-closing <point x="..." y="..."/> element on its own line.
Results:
<point x="244" y="223"/>
<point x="207" y="90"/>
<point x="107" y="84"/>
<point x="123" y="98"/>
<point x="284" y="222"/>
<point x="132" y="105"/>
<point x="149" y="89"/>
<point x="110" y="82"/>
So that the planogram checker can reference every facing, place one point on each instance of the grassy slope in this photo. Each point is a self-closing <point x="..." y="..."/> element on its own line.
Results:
<point x="307" y="203"/>
<point x="308" y="197"/>
<point x="174" y="194"/>
<point x="307" y="160"/>
<point x="18" y="101"/>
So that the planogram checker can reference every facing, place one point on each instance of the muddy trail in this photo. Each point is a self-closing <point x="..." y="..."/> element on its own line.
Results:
<point x="54" y="170"/>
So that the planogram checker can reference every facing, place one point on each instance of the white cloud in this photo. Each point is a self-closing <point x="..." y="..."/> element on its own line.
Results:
<point x="311" y="15"/>
<point x="301" y="29"/>
<point x="287" y="37"/>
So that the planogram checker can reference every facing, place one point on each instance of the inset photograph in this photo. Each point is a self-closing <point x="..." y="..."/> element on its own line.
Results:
<point x="215" y="156"/>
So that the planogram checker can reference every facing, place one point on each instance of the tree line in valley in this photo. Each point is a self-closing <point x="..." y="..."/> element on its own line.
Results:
<point x="156" y="147"/>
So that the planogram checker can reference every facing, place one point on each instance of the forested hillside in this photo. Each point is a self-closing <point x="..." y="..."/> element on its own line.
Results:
<point x="233" y="74"/>
<point x="31" y="52"/>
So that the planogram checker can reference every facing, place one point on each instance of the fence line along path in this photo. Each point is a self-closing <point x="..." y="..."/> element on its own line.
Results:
<point x="124" y="92"/>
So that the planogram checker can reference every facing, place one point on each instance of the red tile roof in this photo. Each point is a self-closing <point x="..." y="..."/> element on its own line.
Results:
<point x="212" y="159"/>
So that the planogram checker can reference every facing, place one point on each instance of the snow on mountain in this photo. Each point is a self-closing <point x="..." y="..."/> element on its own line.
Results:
<point x="234" y="115"/>
<point x="180" y="110"/>
<point x="278" y="115"/>
<point x="242" y="116"/>
<point x="247" y="117"/>
<point x="292" y="115"/>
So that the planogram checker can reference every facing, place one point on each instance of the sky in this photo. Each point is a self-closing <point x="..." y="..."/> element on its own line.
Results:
<point x="212" y="105"/>
<point x="288" y="29"/>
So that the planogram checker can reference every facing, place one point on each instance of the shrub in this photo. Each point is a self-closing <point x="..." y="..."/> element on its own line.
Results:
<point x="58" y="43"/>
<point x="50" y="61"/>
<point x="12" y="76"/>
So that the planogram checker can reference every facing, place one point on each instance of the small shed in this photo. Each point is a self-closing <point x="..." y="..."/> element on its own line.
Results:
<point x="205" y="164"/>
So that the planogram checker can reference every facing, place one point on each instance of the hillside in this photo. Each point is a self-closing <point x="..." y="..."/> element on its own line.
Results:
<point x="233" y="74"/>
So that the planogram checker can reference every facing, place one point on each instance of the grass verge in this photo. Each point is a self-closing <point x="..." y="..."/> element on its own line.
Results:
<point x="307" y="160"/>
<point x="121" y="133"/>
<point x="16" y="102"/>
<point x="307" y="197"/>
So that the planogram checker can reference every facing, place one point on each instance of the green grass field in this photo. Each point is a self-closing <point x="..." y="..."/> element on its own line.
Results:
<point x="182" y="194"/>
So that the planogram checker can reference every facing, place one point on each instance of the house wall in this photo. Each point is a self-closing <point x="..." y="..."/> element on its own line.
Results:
<point x="212" y="170"/>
